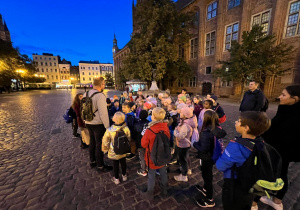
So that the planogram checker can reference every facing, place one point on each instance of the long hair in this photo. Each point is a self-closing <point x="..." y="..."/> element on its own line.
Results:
<point x="76" y="100"/>
<point x="211" y="118"/>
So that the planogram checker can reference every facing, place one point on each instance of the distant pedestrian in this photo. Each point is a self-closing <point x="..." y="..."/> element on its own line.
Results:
<point x="254" y="99"/>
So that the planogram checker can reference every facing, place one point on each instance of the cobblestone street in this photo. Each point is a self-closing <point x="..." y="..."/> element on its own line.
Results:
<point x="43" y="167"/>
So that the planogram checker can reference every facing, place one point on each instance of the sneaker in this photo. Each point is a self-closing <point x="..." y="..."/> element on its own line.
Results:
<point x="173" y="161"/>
<point x="189" y="172"/>
<point x="270" y="202"/>
<point x="201" y="189"/>
<point x="205" y="202"/>
<point x="114" y="180"/>
<point x="181" y="178"/>
<point x="124" y="178"/>
<point x="130" y="157"/>
<point x="142" y="173"/>
<point x="254" y="207"/>
<point x="93" y="164"/>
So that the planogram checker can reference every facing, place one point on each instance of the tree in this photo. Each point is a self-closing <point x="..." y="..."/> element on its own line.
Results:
<point x="109" y="79"/>
<point x="160" y="29"/>
<point x="257" y="57"/>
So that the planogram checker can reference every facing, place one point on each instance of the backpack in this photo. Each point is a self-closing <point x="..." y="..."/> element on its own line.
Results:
<point x="68" y="117"/>
<point x="121" y="143"/>
<point x="131" y="120"/>
<point x="161" y="150"/>
<point x="260" y="173"/>
<point x="221" y="119"/>
<point x="86" y="108"/>
<point x="218" y="149"/>
<point x="194" y="136"/>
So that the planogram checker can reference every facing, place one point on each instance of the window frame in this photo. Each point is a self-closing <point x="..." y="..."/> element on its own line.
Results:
<point x="260" y="23"/>
<point x="234" y="4"/>
<point x="193" y="53"/>
<point x="211" y="70"/>
<point x="232" y="24"/>
<point x="193" y="82"/>
<point x="212" y="9"/>
<point x="210" y="43"/>
<point x="287" y="20"/>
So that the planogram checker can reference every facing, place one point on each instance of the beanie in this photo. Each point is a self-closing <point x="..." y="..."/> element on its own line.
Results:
<point x="183" y="98"/>
<point x="148" y="105"/>
<point x="187" y="112"/>
<point x="143" y="115"/>
<point x="214" y="97"/>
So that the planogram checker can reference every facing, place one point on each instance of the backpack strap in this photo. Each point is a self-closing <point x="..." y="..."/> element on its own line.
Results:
<point x="247" y="143"/>
<point x="92" y="97"/>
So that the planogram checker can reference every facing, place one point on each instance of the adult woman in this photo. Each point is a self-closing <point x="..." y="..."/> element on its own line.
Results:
<point x="283" y="135"/>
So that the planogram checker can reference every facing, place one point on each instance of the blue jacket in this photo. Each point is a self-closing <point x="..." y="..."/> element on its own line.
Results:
<point x="234" y="153"/>
<point x="126" y="120"/>
<point x="113" y="110"/>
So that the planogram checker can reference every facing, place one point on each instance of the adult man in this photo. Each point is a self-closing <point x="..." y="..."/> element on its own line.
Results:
<point x="254" y="99"/>
<point x="98" y="125"/>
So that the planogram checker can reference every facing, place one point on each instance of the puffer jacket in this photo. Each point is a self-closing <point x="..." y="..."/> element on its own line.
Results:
<point x="108" y="141"/>
<point x="184" y="132"/>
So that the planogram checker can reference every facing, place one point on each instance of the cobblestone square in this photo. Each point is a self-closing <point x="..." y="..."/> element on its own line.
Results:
<point x="43" y="167"/>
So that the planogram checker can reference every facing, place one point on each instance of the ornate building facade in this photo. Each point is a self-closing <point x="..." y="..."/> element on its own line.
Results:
<point x="4" y="32"/>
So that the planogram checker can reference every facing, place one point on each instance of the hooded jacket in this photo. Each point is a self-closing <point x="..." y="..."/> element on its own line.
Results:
<point x="184" y="132"/>
<point x="252" y="101"/>
<point x="108" y="141"/>
<point x="149" y="137"/>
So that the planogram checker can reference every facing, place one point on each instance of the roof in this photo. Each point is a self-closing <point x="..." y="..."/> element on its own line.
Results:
<point x="92" y="62"/>
<point x="181" y="4"/>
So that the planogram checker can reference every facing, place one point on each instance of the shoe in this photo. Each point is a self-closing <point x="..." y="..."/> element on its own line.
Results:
<point x="76" y="135"/>
<point x="104" y="168"/>
<point x="124" y="178"/>
<point x="205" y="202"/>
<point x="130" y="157"/>
<point x="181" y="178"/>
<point x="173" y="161"/>
<point x="189" y="172"/>
<point x="93" y="164"/>
<point x="83" y="146"/>
<point x="142" y="173"/>
<point x="201" y="189"/>
<point x="254" y="207"/>
<point x="114" y="180"/>
<point x="270" y="202"/>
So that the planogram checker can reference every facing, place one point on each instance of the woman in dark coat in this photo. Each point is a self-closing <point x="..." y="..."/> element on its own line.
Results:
<point x="284" y="136"/>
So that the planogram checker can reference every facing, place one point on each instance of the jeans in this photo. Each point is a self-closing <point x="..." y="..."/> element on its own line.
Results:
<point x="207" y="175"/>
<point x="163" y="178"/>
<point x="96" y="135"/>
<point x="122" y="162"/>
<point x="183" y="158"/>
<point x="141" y="152"/>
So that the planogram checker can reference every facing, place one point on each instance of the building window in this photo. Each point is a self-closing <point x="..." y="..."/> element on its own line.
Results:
<point x="50" y="70"/>
<point x="49" y="58"/>
<point x="56" y="77"/>
<point x="36" y="58"/>
<point x="41" y="58"/>
<point x="96" y="73"/>
<point x="41" y="63"/>
<point x="55" y="70"/>
<point x="54" y="64"/>
<point x="232" y="32"/>
<point x="179" y="84"/>
<point x="208" y="70"/>
<point x="82" y="73"/>
<point x="212" y="10"/>
<point x="83" y="78"/>
<point x="47" y="76"/>
<point x="233" y="3"/>
<point x="89" y="68"/>
<point x="210" y="43"/>
<point x="89" y="73"/>
<point x="46" y="70"/>
<point x="45" y="58"/>
<point x="102" y="67"/>
<point x="52" y="77"/>
<point x="92" y="68"/>
<point x="90" y="79"/>
<point x="293" y="20"/>
<point x="54" y="59"/>
<point x="42" y="70"/>
<point x="194" y="47"/>
<point x="262" y="19"/>
<point x="83" y="67"/>
<point x="181" y="51"/>
<point x="93" y="73"/>
<point x="226" y="83"/>
<point x="96" y="68"/>
<point x="50" y="64"/>
<point x="193" y="82"/>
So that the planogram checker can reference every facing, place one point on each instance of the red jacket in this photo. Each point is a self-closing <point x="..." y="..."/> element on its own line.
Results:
<point x="80" y="122"/>
<point x="148" y="140"/>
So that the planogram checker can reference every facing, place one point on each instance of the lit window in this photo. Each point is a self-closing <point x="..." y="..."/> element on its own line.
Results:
<point x="194" y="47"/>
<point x="193" y="82"/>
<point x="293" y="20"/>
<point x="212" y="10"/>
<point x="233" y="3"/>
<point x="210" y="43"/>
<point x="262" y="19"/>
<point x="232" y="32"/>
<point x="208" y="70"/>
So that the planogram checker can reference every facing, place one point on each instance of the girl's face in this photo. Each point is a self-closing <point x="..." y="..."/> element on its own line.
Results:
<point x="206" y="105"/>
<point x="196" y="101"/>
<point x="188" y="101"/>
<point x="80" y="97"/>
<point x="286" y="99"/>
<point x="170" y="108"/>
<point x="180" y="101"/>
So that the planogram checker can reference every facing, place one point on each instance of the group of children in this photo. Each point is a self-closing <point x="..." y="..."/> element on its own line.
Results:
<point x="187" y="122"/>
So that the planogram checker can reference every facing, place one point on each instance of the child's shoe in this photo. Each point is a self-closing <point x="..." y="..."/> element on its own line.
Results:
<point x="201" y="189"/>
<point x="114" y="180"/>
<point x="181" y="178"/>
<point x="189" y="172"/>
<point x="270" y="202"/>
<point x="124" y="178"/>
<point x="205" y="202"/>
<point x="142" y="173"/>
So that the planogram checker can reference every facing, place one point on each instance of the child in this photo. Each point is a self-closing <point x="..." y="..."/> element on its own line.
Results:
<point x="183" y="134"/>
<point x="130" y="97"/>
<point x="122" y="100"/>
<point x="198" y="106"/>
<point x="205" y="146"/>
<point x="216" y="106"/>
<point x="172" y="109"/>
<point x="189" y="103"/>
<point x="108" y="146"/>
<point x="140" y="104"/>
<point x="250" y="125"/>
<point x="129" y="119"/>
<point x="206" y="106"/>
<point x="138" y="130"/>
<point x="158" y="124"/>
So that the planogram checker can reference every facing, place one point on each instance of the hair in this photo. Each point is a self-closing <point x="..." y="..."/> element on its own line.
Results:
<point x="173" y="106"/>
<point x="211" y="118"/>
<point x="159" y="113"/>
<point x="98" y="81"/>
<point x="167" y="93"/>
<point x="155" y="95"/>
<point x="256" y="82"/>
<point x="119" y="117"/>
<point x="76" y="100"/>
<point x="189" y="98"/>
<point x="126" y="104"/>
<point x="183" y="89"/>
<point x="161" y="94"/>
<point x="210" y="102"/>
<point x="115" y="101"/>
<point x="258" y="122"/>
<point x="108" y="101"/>
<point x="293" y="90"/>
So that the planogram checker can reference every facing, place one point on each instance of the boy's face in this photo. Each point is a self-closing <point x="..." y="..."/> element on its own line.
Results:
<point x="130" y="94"/>
<point x="125" y="109"/>
<point x="241" y="129"/>
<point x="206" y="105"/>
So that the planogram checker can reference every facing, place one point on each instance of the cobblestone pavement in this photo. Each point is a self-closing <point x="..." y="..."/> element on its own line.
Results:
<point x="43" y="167"/>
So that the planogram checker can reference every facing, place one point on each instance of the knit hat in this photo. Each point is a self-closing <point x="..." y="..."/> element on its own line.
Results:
<point x="143" y="115"/>
<point x="214" y="97"/>
<point x="187" y="112"/>
<point x="153" y="101"/>
<point x="148" y="105"/>
<point x="181" y="106"/>
<point x="115" y="97"/>
<point x="183" y="98"/>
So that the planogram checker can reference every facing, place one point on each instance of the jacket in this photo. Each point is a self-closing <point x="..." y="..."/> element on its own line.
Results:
<point x="99" y="102"/>
<point x="80" y="122"/>
<point x="201" y="118"/>
<point x="206" y="144"/>
<point x="183" y="133"/>
<point x="113" y="110"/>
<point x="108" y="141"/>
<point x="219" y="110"/>
<point x="129" y="123"/>
<point x="234" y="154"/>
<point x="149" y="137"/>
<point x="197" y="109"/>
<point x="252" y="101"/>
<point x="138" y="127"/>
<point x="284" y="133"/>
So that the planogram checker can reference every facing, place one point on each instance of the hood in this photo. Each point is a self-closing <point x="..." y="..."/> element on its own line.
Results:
<point x="117" y="127"/>
<point x="192" y="121"/>
<point x="219" y="132"/>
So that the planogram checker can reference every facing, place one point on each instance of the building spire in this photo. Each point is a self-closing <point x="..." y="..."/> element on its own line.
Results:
<point x="5" y="26"/>
<point x="1" y="23"/>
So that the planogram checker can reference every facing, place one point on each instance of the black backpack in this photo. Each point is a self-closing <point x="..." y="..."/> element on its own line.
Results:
<point x="121" y="143"/>
<point x="161" y="150"/>
<point x="86" y="108"/>
<point x="260" y="173"/>
<point x="131" y="120"/>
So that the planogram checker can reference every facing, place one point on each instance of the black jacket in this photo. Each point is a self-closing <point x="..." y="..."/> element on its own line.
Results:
<point x="137" y="131"/>
<point x="253" y="101"/>
<point x="284" y="133"/>
<point x="219" y="110"/>
<point x="206" y="144"/>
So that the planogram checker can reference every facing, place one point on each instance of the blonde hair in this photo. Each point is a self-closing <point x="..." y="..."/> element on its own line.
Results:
<point x="159" y="113"/>
<point x="119" y="117"/>
<point x="98" y="81"/>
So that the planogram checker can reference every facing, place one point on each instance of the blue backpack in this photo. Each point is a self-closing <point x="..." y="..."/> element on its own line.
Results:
<point x="67" y="117"/>
<point x="218" y="150"/>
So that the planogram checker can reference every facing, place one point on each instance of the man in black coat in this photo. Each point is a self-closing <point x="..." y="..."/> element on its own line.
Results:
<point x="254" y="99"/>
